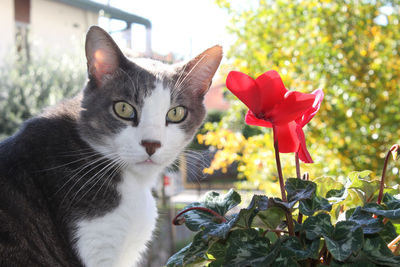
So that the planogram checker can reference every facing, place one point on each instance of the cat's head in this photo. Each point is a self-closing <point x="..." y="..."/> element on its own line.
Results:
<point x="142" y="112"/>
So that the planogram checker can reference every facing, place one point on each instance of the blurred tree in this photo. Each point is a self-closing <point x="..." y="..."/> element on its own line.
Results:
<point x="350" y="49"/>
<point x="27" y="86"/>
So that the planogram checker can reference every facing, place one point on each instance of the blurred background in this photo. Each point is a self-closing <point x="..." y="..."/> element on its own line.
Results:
<point x="350" y="49"/>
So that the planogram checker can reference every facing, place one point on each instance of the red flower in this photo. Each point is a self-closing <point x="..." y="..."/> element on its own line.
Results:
<point x="301" y="122"/>
<point x="272" y="105"/>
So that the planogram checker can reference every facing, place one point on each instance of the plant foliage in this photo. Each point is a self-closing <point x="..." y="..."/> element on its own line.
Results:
<point x="29" y="85"/>
<point x="338" y="230"/>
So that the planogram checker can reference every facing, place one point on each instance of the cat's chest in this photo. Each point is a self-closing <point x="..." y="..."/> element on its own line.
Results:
<point x="119" y="237"/>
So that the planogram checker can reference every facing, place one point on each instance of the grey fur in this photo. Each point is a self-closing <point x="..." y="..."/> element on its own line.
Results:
<point x="42" y="194"/>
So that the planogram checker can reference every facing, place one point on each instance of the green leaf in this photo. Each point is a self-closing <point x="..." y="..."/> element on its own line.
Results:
<point x="195" y="219"/>
<point x="365" y="187"/>
<point x="197" y="250"/>
<point x="389" y="232"/>
<point x="193" y="252"/>
<point x="301" y="251"/>
<point x="317" y="226"/>
<point x="216" y="263"/>
<point x="218" y="249"/>
<point x="285" y="258"/>
<point x="246" y="216"/>
<point x="222" y="204"/>
<point x="379" y="210"/>
<point x="336" y="195"/>
<point x="354" y="264"/>
<point x="272" y="217"/>
<point x="310" y="206"/>
<point x="356" y="175"/>
<point x="325" y="184"/>
<point x="177" y="259"/>
<point x="218" y="230"/>
<point x="391" y="202"/>
<point x="364" y="219"/>
<point x="247" y="248"/>
<point x="377" y="251"/>
<point x="347" y="238"/>
<point x="298" y="189"/>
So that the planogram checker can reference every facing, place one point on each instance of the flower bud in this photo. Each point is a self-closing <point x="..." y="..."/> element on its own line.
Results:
<point x="394" y="150"/>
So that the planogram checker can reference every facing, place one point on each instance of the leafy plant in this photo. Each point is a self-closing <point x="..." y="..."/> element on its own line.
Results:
<point x="344" y="222"/>
<point x="29" y="85"/>
<point x="257" y="235"/>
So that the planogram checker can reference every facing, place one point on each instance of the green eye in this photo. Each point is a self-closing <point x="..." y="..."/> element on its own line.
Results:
<point x="177" y="114"/>
<point x="124" y="110"/>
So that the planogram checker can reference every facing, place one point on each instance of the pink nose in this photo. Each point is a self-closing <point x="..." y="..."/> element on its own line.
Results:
<point x="151" y="146"/>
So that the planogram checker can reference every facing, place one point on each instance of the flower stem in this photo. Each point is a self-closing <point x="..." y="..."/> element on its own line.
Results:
<point x="298" y="172"/>
<point x="297" y="165"/>
<point x="289" y="217"/>
<point x="392" y="245"/>
<point x="178" y="220"/>
<point x="393" y="148"/>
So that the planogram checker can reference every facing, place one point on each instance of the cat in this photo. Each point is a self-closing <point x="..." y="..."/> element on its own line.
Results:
<point x="75" y="181"/>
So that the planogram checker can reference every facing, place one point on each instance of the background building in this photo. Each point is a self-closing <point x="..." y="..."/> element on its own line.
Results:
<point x="59" y="25"/>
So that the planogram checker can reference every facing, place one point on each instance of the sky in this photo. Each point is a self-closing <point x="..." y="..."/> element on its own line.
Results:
<point x="183" y="27"/>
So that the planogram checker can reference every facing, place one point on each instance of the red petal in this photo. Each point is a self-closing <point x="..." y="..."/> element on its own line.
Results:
<point x="251" y="119"/>
<point x="304" y="155"/>
<point x="310" y="113"/>
<point x="245" y="88"/>
<point x="271" y="90"/>
<point x="288" y="140"/>
<point x="292" y="107"/>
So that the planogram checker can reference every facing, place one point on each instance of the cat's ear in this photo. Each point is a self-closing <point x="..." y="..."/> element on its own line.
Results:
<point x="102" y="54"/>
<point x="201" y="69"/>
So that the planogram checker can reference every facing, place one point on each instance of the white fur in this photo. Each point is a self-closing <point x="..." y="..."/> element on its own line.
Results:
<point x="118" y="238"/>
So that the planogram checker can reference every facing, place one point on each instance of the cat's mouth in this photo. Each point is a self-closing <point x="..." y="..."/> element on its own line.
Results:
<point x="148" y="161"/>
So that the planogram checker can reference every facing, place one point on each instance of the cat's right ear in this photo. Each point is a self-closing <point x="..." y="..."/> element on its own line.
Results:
<point x="102" y="53"/>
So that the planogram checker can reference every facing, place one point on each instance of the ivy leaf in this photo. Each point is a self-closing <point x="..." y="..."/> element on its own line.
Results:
<point x="298" y="189"/>
<point x="364" y="186"/>
<point x="218" y="230"/>
<point x="317" y="226"/>
<point x="301" y="251"/>
<point x="195" y="219"/>
<point x="310" y="206"/>
<point x="285" y="258"/>
<point x="354" y="264"/>
<point x="379" y="210"/>
<point x="389" y="232"/>
<point x="347" y="238"/>
<point x="377" y="251"/>
<point x="216" y="263"/>
<point x="193" y="252"/>
<point x="218" y="250"/>
<point x="247" y="248"/>
<point x="272" y="217"/>
<point x="222" y="204"/>
<point x="391" y="202"/>
<point x="325" y="184"/>
<point x="246" y="216"/>
<point x="364" y="219"/>
<point x="337" y="195"/>
<point x="177" y="259"/>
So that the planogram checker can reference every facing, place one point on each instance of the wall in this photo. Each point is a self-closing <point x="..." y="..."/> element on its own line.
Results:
<point x="6" y="27"/>
<point x="57" y="27"/>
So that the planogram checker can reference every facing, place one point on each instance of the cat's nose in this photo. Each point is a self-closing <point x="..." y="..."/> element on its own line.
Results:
<point x="151" y="146"/>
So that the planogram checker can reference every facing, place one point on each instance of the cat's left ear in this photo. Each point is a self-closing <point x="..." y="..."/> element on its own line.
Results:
<point x="201" y="69"/>
<point x="102" y="53"/>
